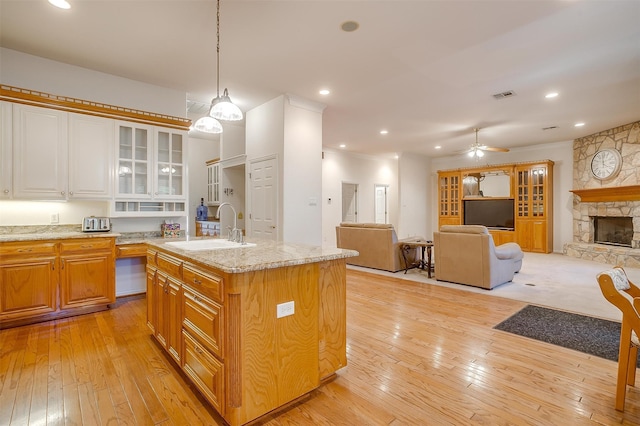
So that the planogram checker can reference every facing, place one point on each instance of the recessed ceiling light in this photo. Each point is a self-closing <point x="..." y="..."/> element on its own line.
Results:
<point x="343" y="145"/>
<point x="349" y="26"/>
<point x="384" y="132"/>
<point x="579" y="124"/>
<point x="438" y="147"/>
<point x="324" y="91"/>
<point x="551" y="95"/>
<point x="62" y="4"/>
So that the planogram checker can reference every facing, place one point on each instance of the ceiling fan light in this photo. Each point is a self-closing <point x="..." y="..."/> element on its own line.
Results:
<point x="208" y="124"/>
<point x="471" y="153"/>
<point x="479" y="153"/>
<point x="223" y="109"/>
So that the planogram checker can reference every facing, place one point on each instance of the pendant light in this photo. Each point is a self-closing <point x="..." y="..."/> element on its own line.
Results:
<point x="221" y="106"/>
<point x="208" y="124"/>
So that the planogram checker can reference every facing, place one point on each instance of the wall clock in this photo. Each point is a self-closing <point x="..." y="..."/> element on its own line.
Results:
<point x="606" y="164"/>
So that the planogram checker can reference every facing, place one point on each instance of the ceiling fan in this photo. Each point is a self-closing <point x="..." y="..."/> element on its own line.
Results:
<point x="477" y="150"/>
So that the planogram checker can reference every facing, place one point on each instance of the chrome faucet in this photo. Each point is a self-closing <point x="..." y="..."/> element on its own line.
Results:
<point x="235" y="234"/>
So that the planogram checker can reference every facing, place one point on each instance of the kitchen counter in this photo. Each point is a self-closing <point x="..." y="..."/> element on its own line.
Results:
<point x="4" y="238"/>
<point x="266" y="254"/>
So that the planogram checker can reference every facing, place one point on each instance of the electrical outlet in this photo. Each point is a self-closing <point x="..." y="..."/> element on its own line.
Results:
<point x="285" y="309"/>
<point x="55" y="218"/>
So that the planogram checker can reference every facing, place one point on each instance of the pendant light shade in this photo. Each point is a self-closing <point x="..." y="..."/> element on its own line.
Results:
<point x="221" y="106"/>
<point x="208" y="124"/>
<point x="223" y="109"/>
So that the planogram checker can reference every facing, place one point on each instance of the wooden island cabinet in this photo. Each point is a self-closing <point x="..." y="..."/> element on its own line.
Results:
<point x="46" y="279"/>
<point x="253" y="328"/>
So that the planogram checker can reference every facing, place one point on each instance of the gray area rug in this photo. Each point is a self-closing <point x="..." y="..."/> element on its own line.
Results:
<point x="590" y="335"/>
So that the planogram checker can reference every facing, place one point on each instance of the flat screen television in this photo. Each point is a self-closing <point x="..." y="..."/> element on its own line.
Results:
<point x="490" y="212"/>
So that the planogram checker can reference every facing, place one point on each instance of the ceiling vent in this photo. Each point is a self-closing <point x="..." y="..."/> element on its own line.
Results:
<point x="550" y="128"/>
<point x="507" y="94"/>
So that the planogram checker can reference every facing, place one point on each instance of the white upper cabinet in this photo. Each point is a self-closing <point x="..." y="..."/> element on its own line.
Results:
<point x="61" y="156"/>
<point x="90" y="157"/>
<point x="134" y="161"/>
<point x="150" y="171"/>
<point x="39" y="153"/>
<point x="6" y="136"/>
<point x="170" y="181"/>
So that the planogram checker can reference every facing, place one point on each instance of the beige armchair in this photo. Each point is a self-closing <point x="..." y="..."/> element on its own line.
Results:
<point x="466" y="254"/>
<point x="377" y="244"/>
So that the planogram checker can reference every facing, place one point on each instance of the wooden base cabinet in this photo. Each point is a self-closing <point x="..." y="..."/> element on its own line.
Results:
<point x="28" y="280"/>
<point x="245" y="359"/>
<point x="42" y="280"/>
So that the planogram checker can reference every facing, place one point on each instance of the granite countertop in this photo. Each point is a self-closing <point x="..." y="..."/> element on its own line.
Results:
<point x="38" y="236"/>
<point x="266" y="254"/>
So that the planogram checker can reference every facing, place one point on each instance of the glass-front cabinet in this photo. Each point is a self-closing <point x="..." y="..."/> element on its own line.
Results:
<point x="134" y="161"/>
<point x="449" y="198"/>
<point x="150" y="171"/>
<point x="169" y="178"/>
<point x="534" y="192"/>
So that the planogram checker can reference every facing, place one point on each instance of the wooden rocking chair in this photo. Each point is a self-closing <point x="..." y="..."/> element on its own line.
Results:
<point x="622" y="293"/>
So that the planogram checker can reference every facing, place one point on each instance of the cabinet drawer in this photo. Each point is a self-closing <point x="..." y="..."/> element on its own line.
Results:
<point x="27" y="248"/>
<point x="203" y="319"/>
<point x="152" y="255"/>
<point x="131" y="250"/>
<point x="169" y="264"/>
<point x="206" y="372"/>
<point x="204" y="282"/>
<point x="87" y="244"/>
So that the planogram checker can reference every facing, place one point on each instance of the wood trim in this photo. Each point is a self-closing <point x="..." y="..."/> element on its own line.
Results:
<point x="618" y="193"/>
<point x="64" y="103"/>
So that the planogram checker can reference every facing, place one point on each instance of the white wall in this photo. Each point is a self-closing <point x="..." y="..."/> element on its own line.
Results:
<point x="415" y="209"/>
<point x="366" y="171"/>
<point x="561" y="153"/>
<point x="56" y="78"/>
<point x="200" y="151"/>
<point x="302" y="171"/>
<point x="289" y="129"/>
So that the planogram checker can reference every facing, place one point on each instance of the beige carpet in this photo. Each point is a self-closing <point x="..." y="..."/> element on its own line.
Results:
<point x="551" y="280"/>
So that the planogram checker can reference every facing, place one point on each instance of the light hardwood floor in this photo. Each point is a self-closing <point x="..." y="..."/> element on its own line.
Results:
<point x="418" y="354"/>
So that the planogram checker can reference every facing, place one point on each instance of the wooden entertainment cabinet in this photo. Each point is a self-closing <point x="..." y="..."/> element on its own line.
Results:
<point x="530" y="184"/>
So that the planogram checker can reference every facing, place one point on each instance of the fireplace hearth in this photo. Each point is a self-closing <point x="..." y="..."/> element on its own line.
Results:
<point x="616" y="231"/>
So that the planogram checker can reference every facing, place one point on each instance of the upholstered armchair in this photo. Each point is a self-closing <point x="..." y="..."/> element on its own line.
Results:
<point x="466" y="254"/>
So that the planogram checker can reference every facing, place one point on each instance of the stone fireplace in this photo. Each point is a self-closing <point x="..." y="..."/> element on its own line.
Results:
<point x="606" y="214"/>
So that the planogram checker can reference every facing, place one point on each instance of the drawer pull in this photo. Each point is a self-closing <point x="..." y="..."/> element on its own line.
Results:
<point x="198" y="350"/>
<point x="24" y="250"/>
<point x="197" y="281"/>
<point x="86" y="246"/>
<point x="197" y="298"/>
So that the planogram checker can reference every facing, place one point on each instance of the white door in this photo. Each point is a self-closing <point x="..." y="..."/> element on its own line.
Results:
<point x="381" y="203"/>
<point x="263" y="198"/>
<point x="349" y="202"/>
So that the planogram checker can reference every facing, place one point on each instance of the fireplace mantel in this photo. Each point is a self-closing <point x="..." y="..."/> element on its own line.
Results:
<point x="618" y="193"/>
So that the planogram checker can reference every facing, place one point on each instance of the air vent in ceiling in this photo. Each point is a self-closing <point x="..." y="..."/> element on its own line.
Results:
<point x="507" y="94"/>
<point x="550" y="128"/>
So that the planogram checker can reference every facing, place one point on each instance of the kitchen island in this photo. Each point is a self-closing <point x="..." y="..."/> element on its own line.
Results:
<point x="254" y="328"/>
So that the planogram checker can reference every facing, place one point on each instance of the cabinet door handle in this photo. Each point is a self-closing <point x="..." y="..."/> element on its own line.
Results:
<point x="62" y="193"/>
<point x="6" y="191"/>
<point x="62" y="263"/>
<point x="53" y="265"/>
